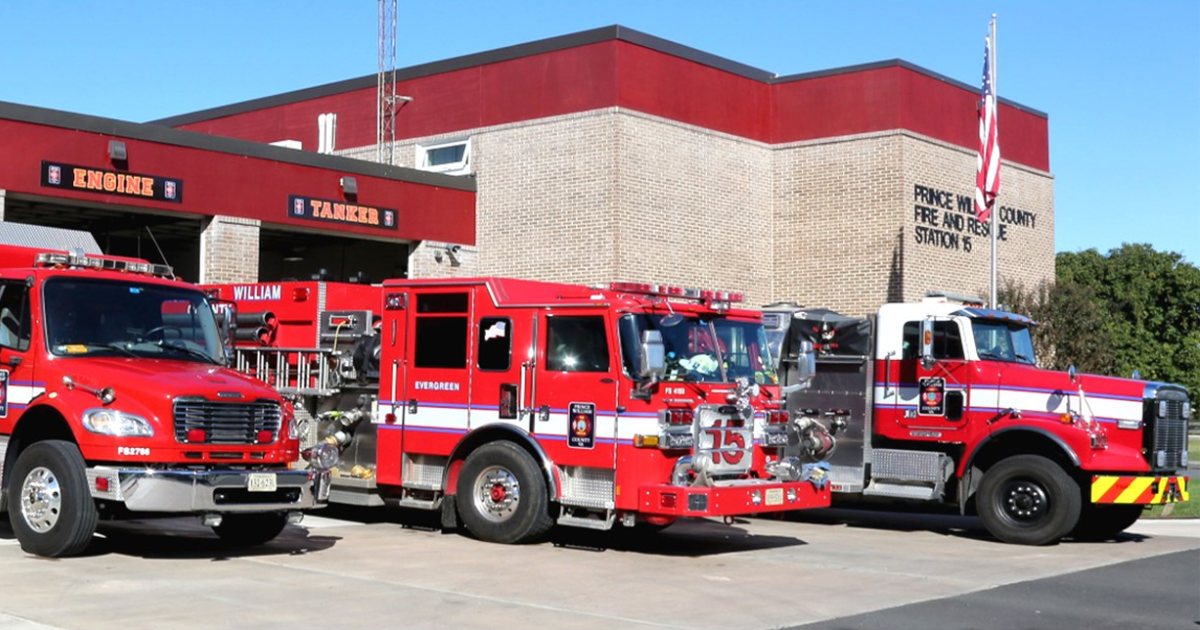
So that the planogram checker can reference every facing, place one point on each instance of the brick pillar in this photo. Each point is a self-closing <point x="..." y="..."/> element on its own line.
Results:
<point x="229" y="250"/>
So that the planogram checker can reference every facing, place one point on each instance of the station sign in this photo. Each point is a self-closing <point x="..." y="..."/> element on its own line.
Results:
<point x="110" y="182"/>
<point x="331" y="211"/>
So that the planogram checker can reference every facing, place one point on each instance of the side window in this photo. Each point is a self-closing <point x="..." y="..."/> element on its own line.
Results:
<point x="947" y="340"/>
<point x="441" y="331"/>
<point x="14" y="315"/>
<point x="495" y="343"/>
<point x="576" y="344"/>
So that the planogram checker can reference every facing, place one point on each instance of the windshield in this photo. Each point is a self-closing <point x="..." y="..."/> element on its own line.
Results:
<point x="1003" y="341"/>
<point x="92" y="317"/>
<point x="718" y="350"/>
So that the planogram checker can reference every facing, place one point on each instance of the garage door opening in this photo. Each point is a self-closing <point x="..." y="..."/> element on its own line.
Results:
<point x="169" y="240"/>
<point x="291" y="255"/>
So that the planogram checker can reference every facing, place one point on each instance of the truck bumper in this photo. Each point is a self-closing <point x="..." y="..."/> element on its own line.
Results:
<point x="731" y="500"/>
<point x="1113" y="489"/>
<point x="185" y="491"/>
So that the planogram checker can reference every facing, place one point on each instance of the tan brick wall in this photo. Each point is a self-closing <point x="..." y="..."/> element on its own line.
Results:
<point x="229" y="250"/>
<point x="695" y="208"/>
<point x="619" y="195"/>
<point x="836" y="222"/>
<point x="851" y="237"/>
<point x="1026" y="217"/>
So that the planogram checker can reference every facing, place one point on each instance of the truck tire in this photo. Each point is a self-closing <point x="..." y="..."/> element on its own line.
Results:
<point x="50" y="509"/>
<point x="502" y="495"/>
<point x="1028" y="500"/>
<point x="249" y="530"/>
<point x="1104" y="522"/>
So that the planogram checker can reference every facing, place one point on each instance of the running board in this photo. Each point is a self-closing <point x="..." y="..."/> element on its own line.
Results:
<point x="902" y="491"/>
<point x="354" y="491"/>
<point x="420" y="499"/>
<point x="589" y="520"/>
<point x="905" y="474"/>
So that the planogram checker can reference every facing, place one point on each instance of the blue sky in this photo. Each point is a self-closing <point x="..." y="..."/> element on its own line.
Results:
<point x="1120" y="80"/>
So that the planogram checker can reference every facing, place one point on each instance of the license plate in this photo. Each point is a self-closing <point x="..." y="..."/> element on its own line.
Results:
<point x="775" y="496"/>
<point x="261" y="482"/>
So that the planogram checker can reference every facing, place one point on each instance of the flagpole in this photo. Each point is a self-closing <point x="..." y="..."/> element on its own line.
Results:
<point x="996" y="121"/>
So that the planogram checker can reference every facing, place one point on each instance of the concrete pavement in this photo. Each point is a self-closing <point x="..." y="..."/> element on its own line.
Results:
<point x="360" y="569"/>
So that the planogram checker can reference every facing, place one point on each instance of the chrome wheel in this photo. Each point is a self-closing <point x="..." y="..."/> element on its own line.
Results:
<point x="497" y="494"/>
<point x="41" y="500"/>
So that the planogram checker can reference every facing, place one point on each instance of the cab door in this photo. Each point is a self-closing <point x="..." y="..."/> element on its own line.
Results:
<point x="575" y="389"/>
<point x="933" y="396"/>
<point x="18" y="384"/>
<point x="502" y="365"/>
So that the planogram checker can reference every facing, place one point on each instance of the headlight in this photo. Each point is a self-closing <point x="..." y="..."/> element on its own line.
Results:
<point x="1187" y="410"/>
<point x="117" y="423"/>
<point x="293" y="428"/>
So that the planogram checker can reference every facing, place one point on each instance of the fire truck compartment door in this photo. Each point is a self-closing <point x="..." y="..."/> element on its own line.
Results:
<point x="436" y="388"/>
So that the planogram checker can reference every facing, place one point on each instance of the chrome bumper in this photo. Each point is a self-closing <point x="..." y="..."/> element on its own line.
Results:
<point x="208" y="491"/>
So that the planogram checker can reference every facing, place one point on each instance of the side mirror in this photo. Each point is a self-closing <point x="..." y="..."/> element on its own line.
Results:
<point x="806" y="362"/>
<point x="806" y="369"/>
<point x="225" y="313"/>
<point x="652" y="356"/>
<point x="955" y="401"/>
<point x="1072" y="373"/>
<point x="927" y="344"/>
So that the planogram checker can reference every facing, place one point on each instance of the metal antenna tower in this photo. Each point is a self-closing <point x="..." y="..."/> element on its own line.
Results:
<point x="385" y="123"/>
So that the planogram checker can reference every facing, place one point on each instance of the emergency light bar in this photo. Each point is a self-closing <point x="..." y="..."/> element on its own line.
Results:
<point x="705" y="295"/>
<point x="48" y="259"/>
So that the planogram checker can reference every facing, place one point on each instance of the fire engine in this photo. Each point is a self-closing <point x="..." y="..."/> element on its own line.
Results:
<point x="512" y="405"/>
<point x="942" y="401"/>
<point x="115" y="401"/>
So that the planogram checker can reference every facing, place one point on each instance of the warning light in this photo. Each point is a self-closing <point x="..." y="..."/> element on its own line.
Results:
<point x="701" y="295"/>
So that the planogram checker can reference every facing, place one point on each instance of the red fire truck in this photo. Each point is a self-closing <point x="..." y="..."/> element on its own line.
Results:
<point x="115" y="401"/>
<point x="514" y="405"/>
<point x="942" y="401"/>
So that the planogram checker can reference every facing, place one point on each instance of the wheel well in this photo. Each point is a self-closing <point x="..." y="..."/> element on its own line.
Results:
<point x="1006" y="444"/>
<point x="35" y="425"/>
<point x="494" y="433"/>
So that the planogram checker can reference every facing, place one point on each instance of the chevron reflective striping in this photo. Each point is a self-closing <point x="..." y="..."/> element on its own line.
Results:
<point x="1139" y="490"/>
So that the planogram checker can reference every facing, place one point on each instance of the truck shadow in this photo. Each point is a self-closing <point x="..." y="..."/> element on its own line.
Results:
<point x="685" y="538"/>
<point x="185" y="538"/>
<point x="692" y="538"/>
<point x="903" y="518"/>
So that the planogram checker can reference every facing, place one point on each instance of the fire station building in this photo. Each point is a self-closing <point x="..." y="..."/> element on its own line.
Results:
<point x="603" y="155"/>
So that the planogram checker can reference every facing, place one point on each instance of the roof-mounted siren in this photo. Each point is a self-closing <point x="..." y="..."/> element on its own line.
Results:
<point x="950" y="297"/>
<point x="720" y="300"/>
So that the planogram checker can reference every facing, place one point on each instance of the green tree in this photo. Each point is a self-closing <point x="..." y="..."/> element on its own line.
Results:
<point x="1150" y="309"/>
<point x="1071" y="330"/>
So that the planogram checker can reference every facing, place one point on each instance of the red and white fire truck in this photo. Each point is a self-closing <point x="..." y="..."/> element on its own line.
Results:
<point x="514" y="405"/>
<point x="115" y="401"/>
<point x="942" y="401"/>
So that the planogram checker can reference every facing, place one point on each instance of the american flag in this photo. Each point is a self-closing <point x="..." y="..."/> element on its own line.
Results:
<point x="987" y="178"/>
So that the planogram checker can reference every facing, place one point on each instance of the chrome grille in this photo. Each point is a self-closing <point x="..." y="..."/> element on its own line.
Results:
<point x="1168" y="438"/>
<point x="226" y="423"/>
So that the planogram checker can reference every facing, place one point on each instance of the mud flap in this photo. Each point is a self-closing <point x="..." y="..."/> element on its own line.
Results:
<point x="449" y="513"/>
